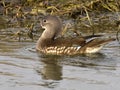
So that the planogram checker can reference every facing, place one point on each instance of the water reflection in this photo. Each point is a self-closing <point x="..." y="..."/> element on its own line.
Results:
<point x="51" y="69"/>
<point x="53" y="65"/>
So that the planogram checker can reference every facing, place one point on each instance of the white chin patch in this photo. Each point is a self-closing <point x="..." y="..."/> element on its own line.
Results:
<point x="42" y="26"/>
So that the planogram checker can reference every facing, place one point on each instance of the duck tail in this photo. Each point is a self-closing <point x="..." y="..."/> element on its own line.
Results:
<point x="94" y="45"/>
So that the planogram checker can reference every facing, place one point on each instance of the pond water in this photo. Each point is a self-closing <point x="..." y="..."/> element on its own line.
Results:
<point x="22" y="68"/>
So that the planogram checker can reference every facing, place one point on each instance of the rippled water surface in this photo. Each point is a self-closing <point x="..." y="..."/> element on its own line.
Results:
<point x="21" y="68"/>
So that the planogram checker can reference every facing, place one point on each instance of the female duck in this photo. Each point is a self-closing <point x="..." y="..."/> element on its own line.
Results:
<point x="48" y="43"/>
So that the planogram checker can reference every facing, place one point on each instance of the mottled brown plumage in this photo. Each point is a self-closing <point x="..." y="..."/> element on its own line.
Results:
<point x="50" y="41"/>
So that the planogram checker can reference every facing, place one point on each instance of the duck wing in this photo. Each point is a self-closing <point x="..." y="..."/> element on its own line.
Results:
<point x="70" y="41"/>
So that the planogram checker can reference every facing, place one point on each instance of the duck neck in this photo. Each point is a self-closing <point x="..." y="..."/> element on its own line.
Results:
<point x="47" y="34"/>
<point x="46" y="38"/>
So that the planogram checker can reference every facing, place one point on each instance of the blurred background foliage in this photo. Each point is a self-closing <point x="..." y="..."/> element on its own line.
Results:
<point x="27" y="13"/>
<point x="57" y="7"/>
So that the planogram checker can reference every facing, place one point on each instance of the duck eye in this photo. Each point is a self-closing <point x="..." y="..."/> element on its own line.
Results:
<point x="44" y="20"/>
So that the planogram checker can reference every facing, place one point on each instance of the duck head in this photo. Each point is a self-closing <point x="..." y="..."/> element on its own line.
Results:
<point x="52" y="26"/>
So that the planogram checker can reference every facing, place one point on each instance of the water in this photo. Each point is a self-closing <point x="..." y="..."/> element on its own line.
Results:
<point x="21" y="68"/>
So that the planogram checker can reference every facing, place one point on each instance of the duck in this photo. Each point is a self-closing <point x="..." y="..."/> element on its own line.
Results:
<point x="51" y="42"/>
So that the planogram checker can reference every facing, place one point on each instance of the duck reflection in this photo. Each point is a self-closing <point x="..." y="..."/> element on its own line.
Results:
<point x="51" y="69"/>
